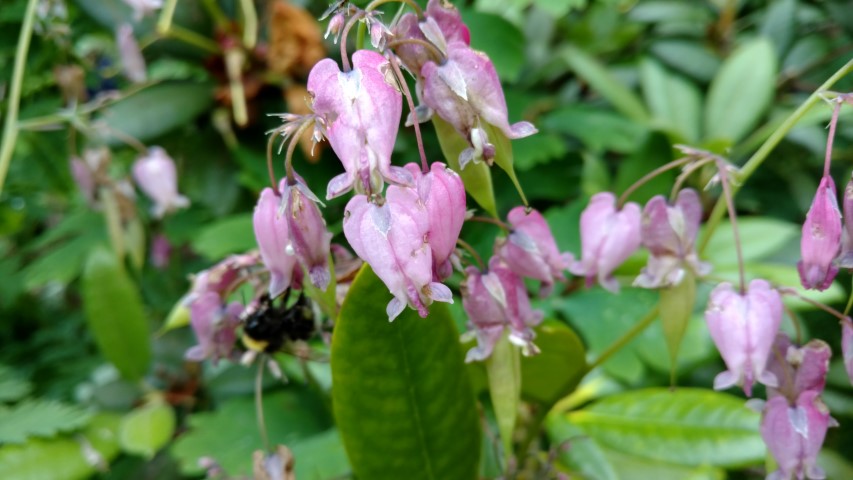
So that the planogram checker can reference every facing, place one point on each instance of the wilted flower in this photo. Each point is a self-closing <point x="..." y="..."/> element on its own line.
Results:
<point x="669" y="232"/>
<point x="215" y="327"/>
<point x="391" y="237"/>
<point x="608" y="237"/>
<point x="132" y="62"/>
<point x="273" y="236"/>
<point x="794" y="434"/>
<point x="743" y="326"/>
<point x="155" y="174"/>
<point x="531" y="251"/>
<point x="495" y="300"/>
<point x="797" y="369"/>
<point x="442" y="192"/>
<point x="362" y="113"/>
<point x="142" y="8"/>
<point x="847" y="346"/>
<point x="309" y="237"/>
<point x="821" y="239"/>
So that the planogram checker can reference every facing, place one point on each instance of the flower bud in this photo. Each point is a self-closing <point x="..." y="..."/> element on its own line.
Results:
<point x="531" y="251"/>
<point x="608" y="238"/>
<point x="392" y="238"/>
<point x="132" y="62"/>
<point x="273" y="237"/>
<point x="845" y="258"/>
<point x="214" y="326"/>
<point x="496" y="299"/>
<point x="161" y="249"/>
<point x="847" y="346"/>
<point x="310" y="239"/>
<point x="669" y="233"/>
<point x="821" y="239"/>
<point x="797" y="369"/>
<point x="336" y="26"/>
<point x="744" y="326"/>
<point x="155" y="175"/>
<point x="794" y="434"/>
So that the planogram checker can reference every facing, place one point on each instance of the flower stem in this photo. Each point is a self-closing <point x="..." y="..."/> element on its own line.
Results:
<point x="344" y="58"/>
<point x="467" y="246"/>
<point x="493" y="221"/>
<point x="822" y="306"/>
<point x="288" y="159"/>
<point x="259" y="404"/>
<point x="764" y="151"/>
<point x="415" y="124"/>
<point x="625" y="338"/>
<point x="164" y="23"/>
<point x="729" y="197"/>
<point x="654" y="173"/>
<point x="192" y="38"/>
<point x="10" y="128"/>
<point x="250" y="23"/>
<point x="273" y="135"/>
<point x="437" y="54"/>
<point x="376" y="3"/>
<point x="829" y="139"/>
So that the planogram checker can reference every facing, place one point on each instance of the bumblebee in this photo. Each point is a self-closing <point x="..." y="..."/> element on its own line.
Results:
<point x="269" y="327"/>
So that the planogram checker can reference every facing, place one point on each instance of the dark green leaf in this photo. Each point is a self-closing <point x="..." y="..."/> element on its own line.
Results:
<point x="12" y="386"/>
<point x="654" y="151"/>
<point x="688" y="57"/>
<point x="476" y="176"/>
<point x="230" y="235"/>
<point x="115" y="314"/>
<point x="410" y="376"/>
<point x="537" y="149"/>
<point x="597" y="129"/>
<point x="556" y="371"/>
<point x="39" y="418"/>
<point x="60" y="264"/>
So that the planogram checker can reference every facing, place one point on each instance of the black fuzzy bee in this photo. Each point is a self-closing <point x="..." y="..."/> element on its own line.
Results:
<point x="268" y="327"/>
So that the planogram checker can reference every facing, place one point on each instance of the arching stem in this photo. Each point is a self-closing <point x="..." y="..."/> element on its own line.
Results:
<point x="831" y="137"/>
<point x="288" y="159"/>
<point x="344" y="58"/>
<point x="468" y="248"/>
<point x="826" y="308"/>
<point x="654" y="173"/>
<point x="438" y="55"/>
<point x="415" y="124"/>
<point x="377" y="3"/>
<point x="493" y="221"/>
<point x="273" y="135"/>
<point x="730" y="204"/>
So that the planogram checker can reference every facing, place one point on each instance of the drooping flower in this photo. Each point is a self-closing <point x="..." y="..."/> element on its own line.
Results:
<point x="442" y="192"/>
<point x="132" y="62"/>
<point x="391" y="237"/>
<point x="465" y="92"/>
<point x="531" y="251"/>
<point x="161" y="250"/>
<point x="845" y="258"/>
<point x="273" y="236"/>
<point x="797" y="369"/>
<point x="442" y="24"/>
<point x="215" y="327"/>
<point x="821" y="239"/>
<point x="223" y="277"/>
<point x="608" y="237"/>
<point x="362" y="115"/>
<point x="496" y="300"/>
<point x="743" y="327"/>
<point x="309" y="237"/>
<point x="794" y="434"/>
<point x="669" y="233"/>
<point x="847" y="346"/>
<point x="155" y="175"/>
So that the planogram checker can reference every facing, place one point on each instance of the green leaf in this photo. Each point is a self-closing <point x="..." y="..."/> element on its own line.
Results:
<point x="602" y="81"/>
<point x="538" y="149"/>
<point x="582" y="453"/>
<point x="760" y="237"/>
<point x="156" y="110"/>
<point x="688" y="57"/>
<point x="63" y="458"/>
<point x="178" y="317"/>
<point x="477" y="177"/>
<point x="39" y="418"/>
<point x="597" y="129"/>
<point x="147" y="429"/>
<point x="499" y="39"/>
<point x="504" y="373"/>
<point x="654" y="151"/>
<point x="60" y="264"/>
<point x="741" y="92"/>
<point x="503" y="156"/>
<point x="556" y="371"/>
<point x="410" y="376"/>
<point x="230" y="235"/>
<point x="115" y="315"/>
<point x="675" y="102"/>
<point x="676" y="307"/>
<point x="787" y="276"/>
<point x="689" y="427"/>
<point x="12" y="386"/>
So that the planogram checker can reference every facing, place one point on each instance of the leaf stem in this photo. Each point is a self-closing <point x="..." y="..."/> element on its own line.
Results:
<point x="625" y="338"/>
<point x="10" y="128"/>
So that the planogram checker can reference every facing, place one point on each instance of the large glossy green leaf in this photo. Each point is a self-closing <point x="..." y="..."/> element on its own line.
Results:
<point x="554" y="373"/>
<point x="157" y="110"/>
<point x="402" y="398"/>
<point x="477" y="177"/>
<point x="115" y="314"/>
<point x="687" y="426"/>
<point x="674" y="101"/>
<point x="741" y="91"/>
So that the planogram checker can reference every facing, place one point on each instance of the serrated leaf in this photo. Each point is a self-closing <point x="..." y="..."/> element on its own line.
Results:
<point x="230" y="235"/>
<point x="147" y="429"/>
<point x="477" y="177"/>
<point x="12" y="387"/>
<point x="690" y="427"/>
<point x="39" y="418"/>
<point x="741" y="91"/>
<point x="675" y="102"/>
<point x="115" y="315"/>
<point x="410" y="376"/>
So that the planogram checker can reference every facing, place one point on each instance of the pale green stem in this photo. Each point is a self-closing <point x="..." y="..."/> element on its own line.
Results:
<point x="626" y="338"/>
<point x="10" y="128"/>
<point x="192" y="38"/>
<point x="250" y="23"/>
<point x="376" y="3"/>
<point x="764" y="151"/>
<point x="164" y="23"/>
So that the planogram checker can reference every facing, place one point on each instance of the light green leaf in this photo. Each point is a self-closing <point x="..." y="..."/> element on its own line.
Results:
<point x="12" y="386"/>
<point x="582" y="454"/>
<point x="504" y="372"/>
<point x="503" y="156"/>
<point x="676" y="307"/>
<point x="785" y="276"/>
<point x="60" y="264"/>
<point x="675" y="102"/>
<point x="741" y="92"/>
<point x="229" y="235"/>
<point x="556" y="371"/>
<point x="147" y="429"/>
<point x="410" y="376"/>
<point x="39" y="418"/>
<point x="688" y="57"/>
<point x="760" y="237"/>
<point x="477" y="177"/>
<point x="690" y="427"/>
<point x="115" y="314"/>
<point x="178" y="317"/>
<point x="602" y="81"/>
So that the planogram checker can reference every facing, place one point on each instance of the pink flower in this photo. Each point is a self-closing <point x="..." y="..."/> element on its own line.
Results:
<point x="273" y="236"/>
<point x="441" y="25"/>
<point x="743" y="327"/>
<point x="309" y="237"/>
<point x="155" y="175"/>
<point x="794" y="434"/>
<point x="608" y="237"/>
<point x="132" y="62"/>
<point x="797" y="369"/>
<point x="215" y="327"/>
<point x="495" y="300"/>
<point x="465" y="91"/>
<point x="845" y="258"/>
<point x="847" y="346"/>
<point x="84" y="178"/>
<point x="391" y="237"/>
<point x="531" y="251"/>
<point x="821" y="238"/>
<point x="223" y="277"/>
<point x="362" y="115"/>
<point x="442" y="192"/>
<point x="669" y="232"/>
<point x="161" y="249"/>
